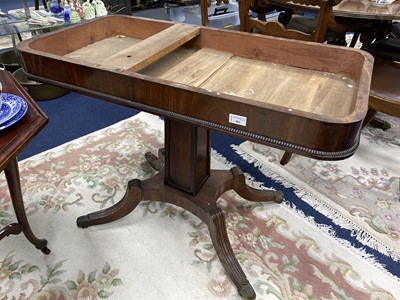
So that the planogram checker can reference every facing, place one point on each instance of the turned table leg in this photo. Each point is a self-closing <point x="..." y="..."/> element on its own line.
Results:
<point x="14" y="185"/>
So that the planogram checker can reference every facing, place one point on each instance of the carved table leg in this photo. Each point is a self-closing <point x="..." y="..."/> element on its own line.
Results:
<point x="203" y="205"/>
<point x="185" y="179"/>
<point x="239" y="186"/>
<point x="217" y="228"/>
<point x="375" y="122"/>
<point x="157" y="163"/>
<point x="379" y="123"/>
<point x="286" y="157"/>
<point x="13" y="228"/>
<point x="115" y="212"/>
<point x="14" y="185"/>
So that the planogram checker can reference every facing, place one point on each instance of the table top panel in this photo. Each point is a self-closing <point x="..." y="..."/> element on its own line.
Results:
<point x="318" y="92"/>
<point x="302" y="97"/>
<point x="322" y="93"/>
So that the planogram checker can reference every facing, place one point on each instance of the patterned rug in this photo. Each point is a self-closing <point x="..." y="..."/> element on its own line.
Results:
<point x="360" y="194"/>
<point x="160" y="251"/>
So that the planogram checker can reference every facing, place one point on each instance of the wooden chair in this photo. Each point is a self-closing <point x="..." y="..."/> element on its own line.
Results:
<point x="323" y="24"/>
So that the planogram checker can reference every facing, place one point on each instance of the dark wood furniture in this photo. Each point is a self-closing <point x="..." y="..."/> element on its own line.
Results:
<point x="189" y="75"/>
<point x="12" y="141"/>
<point x="385" y="89"/>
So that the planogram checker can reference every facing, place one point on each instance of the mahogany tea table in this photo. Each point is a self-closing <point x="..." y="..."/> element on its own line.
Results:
<point x="307" y="98"/>
<point x="13" y="139"/>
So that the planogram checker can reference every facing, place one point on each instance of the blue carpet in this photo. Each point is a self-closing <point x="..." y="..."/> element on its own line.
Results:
<point x="222" y="144"/>
<point x="72" y="116"/>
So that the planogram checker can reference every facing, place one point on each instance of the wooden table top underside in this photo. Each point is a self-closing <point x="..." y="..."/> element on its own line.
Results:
<point x="316" y="91"/>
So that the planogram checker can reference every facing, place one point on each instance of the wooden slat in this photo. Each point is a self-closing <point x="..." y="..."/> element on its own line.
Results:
<point x="168" y="61"/>
<point x="101" y="50"/>
<point x="195" y="68"/>
<point x="151" y="49"/>
<point x="322" y="93"/>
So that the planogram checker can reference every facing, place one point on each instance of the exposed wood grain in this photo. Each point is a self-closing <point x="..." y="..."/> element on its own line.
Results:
<point x="193" y="66"/>
<point x="103" y="49"/>
<point x="322" y="93"/>
<point x="151" y="49"/>
<point x="295" y="88"/>
<point x="196" y="68"/>
<point x="162" y="65"/>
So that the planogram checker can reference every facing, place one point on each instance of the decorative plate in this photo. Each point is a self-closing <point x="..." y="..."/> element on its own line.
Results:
<point x="13" y="104"/>
<point x="5" y="112"/>
<point x="18" y="116"/>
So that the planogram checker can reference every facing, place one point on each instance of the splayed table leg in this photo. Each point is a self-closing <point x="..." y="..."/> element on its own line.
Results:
<point x="185" y="179"/>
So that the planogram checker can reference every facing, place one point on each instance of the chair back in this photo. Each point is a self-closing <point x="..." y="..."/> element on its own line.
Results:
<point x="275" y="28"/>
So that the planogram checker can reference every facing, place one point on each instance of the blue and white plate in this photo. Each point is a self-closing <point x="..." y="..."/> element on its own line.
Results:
<point x="5" y="112"/>
<point x="11" y="105"/>
<point x="18" y="116"/>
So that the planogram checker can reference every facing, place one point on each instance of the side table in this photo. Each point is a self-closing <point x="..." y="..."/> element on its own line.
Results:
<point x="12" y="141"/>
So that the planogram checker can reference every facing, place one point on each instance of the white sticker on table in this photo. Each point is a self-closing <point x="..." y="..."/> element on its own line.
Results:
<point x="236" y="119"/>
